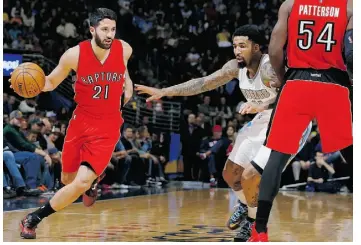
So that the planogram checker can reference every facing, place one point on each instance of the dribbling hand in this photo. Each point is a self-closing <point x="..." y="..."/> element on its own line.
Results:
<point x="248" y="108"/>
<point x="155" y="93"/>
<point x="9" y="80"/>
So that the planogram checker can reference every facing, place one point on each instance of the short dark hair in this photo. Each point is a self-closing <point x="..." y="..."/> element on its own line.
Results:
<point x="129" y="126"/>
<point x="100" y="14"/>
<point x="252" y="32"/>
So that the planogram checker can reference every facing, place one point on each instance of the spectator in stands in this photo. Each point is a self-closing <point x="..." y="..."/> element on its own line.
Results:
<point x="5" y="17"/>
<point x="223" y="111"/>
<point x="191" y="136"/>
<point x="31" y="136"/>
<point x="28" y="18"/>
<point x="318" y="174"/>
<point x="144" y="146"/>
<point x="16" y="178"/>
<point x="55" y="156"/>
<point x="231" y="135"/>
<point x="223" y="38"/>
<point x="53" y="136"/>
<point x="14" y="31"/>
<point x="27" y="106"/>
<point x="59" y="142"/>
<point x="16" y="12"/>
<point x="206" y="126"/>
<point x="70" y="30"/>
<point x="37" y="126"/>
<point x="206" y="109"/>
<point x="160" y="149"/>
<point x="305" y="157"/>
<point x="119" y="166"/>
<point x="18" y="141"/>
<point x="23" y="127"/>
<point x="28" y="161"/>
<point x="212" y="150"/>
<point x="10" y="105"/>
<point x="193" y="57"/>
<point x="5" y="98"/>
<point x="6" y="119"/>
<point x="137" y="168"/>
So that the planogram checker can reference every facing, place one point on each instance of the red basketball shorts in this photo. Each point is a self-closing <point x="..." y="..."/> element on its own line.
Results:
<point x="89" y="139"/>
<point x="301" y="101"/>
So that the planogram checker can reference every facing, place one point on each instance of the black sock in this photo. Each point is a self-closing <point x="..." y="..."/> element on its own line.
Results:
<point x="44" y="211"/>
<point x="263" y="212"/>
<point x="249" y="219"/>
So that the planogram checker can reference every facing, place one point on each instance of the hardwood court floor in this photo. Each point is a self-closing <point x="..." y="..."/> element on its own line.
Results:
<point x="190" y="215"/>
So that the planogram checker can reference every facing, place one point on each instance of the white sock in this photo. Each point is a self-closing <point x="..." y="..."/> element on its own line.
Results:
<point x="241" y="196"/>
<point x="252" y="212"/>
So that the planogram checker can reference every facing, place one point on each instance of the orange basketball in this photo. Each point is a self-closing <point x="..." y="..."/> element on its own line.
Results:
<point x="28" y="79"/>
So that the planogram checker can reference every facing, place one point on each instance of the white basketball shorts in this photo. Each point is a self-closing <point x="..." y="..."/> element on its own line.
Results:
<point x="249" y="142"/>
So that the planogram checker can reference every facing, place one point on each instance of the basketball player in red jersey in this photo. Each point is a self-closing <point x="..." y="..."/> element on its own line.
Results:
<point x="316" y="86"/>
<point x="94" y="129"/>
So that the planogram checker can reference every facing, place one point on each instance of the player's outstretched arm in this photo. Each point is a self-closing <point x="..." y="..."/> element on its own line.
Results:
<point x="67" y="62"/>
<point x="279" y="39"/>
<point x="128" y="86"/>
<point x="194" y="86"/>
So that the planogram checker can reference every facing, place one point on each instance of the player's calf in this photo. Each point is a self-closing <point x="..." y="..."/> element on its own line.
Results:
<point x="250" y="185"/>
<point x="232" y="174"/>
<point x="63" y="198"/>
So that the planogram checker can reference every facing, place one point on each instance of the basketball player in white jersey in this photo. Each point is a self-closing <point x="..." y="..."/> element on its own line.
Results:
<point x="239" y="172"/>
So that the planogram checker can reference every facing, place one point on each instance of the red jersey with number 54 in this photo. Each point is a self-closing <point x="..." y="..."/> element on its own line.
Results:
<point x="316" y="30"/>
<point x="99" y="87"/>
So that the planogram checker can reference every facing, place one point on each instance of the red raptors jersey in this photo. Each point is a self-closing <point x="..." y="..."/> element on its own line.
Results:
<point x="99" y="87"/>
<point x="316" y="30"/>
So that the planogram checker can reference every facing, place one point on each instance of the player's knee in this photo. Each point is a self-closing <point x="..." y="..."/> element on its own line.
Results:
<point x="226" y="176"/>
<point x="83" y="184"/>
<point x="232" y="180"/>
<point x="66" y="179"/>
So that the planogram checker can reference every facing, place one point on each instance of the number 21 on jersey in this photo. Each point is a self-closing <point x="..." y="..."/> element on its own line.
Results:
<point x="101" y="92"/>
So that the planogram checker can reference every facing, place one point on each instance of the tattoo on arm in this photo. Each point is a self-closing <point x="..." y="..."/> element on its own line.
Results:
<point x="207" y="83"/>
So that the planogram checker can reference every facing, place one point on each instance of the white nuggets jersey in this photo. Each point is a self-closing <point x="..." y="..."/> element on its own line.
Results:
<point x="253" y="89"/>
<point x="249" y="142"/>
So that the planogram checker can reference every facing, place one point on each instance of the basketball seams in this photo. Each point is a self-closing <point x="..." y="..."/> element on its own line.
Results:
<point x="34" y="80"/>
<point x="24" y="83"/>
<point x="42" y="73"/>
<point x="15" y="80"/>
<point x="26" y="88"/>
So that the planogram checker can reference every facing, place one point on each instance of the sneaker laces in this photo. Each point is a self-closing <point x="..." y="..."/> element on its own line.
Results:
<point x="246" y="229"/>
<point x="237" y="213"/>
<point x="31" y="221"/>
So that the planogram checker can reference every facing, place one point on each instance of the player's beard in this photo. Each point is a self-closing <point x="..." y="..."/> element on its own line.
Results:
<point x="99" y="42"/>
<point x="242" y="64"/>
